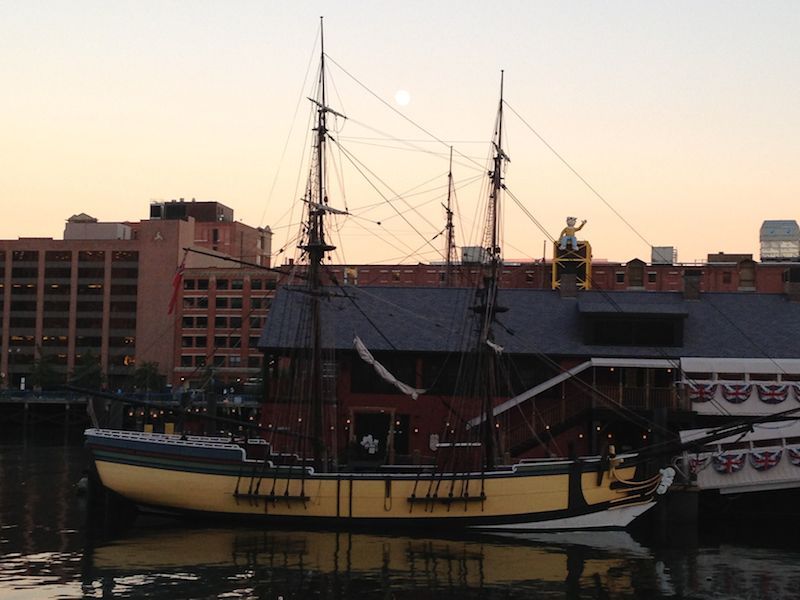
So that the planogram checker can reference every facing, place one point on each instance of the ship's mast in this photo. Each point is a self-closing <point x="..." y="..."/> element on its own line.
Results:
<point x="489" y="307"/>
<point x="316" y="247"/>
<point x="450" y="248"/>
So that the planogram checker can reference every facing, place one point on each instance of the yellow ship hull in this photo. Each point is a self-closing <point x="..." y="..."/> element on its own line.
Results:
<point x="161" y="472"/>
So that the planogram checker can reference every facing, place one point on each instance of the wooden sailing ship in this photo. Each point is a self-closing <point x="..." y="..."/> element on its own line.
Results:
<point x="297" y="471"/>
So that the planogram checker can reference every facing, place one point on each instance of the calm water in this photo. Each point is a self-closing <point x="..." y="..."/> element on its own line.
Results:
<point x="51" y="548"/>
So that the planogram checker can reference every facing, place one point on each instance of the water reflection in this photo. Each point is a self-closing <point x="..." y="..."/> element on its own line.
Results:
<point x="291" y="563"/>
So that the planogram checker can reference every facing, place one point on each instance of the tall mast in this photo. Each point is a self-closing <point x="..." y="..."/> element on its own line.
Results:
<point x="497" y="185"/>
<point x="489" y="307"/>
<point x="316" y="247"/>
<point x="451" y="242"/>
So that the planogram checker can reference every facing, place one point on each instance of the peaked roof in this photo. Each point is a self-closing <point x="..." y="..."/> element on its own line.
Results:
<point x="540" y="321"/>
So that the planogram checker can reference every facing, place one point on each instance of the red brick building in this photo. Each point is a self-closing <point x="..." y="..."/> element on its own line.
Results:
<point x="104" y="290"/>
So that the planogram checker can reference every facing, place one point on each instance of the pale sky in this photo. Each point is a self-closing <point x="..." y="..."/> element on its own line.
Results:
<point x="683" y="116"/>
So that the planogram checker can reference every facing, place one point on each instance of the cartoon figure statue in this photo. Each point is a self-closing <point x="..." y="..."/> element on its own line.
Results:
<point x="568" y="234"/>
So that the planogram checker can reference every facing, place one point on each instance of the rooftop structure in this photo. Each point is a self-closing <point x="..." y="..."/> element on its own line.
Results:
<point x="780" y="241"/>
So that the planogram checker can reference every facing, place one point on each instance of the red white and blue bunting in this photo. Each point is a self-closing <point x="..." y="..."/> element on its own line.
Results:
<point x="701" y="392"/>
<point x="731" y="462"/>
<point x="764" y="460"/>
<point x="773" y="393"/>
<point x="698" y="463"/>
<point x="736" y="393"/>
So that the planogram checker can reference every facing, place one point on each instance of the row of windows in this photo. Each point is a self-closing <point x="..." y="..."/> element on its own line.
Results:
<point x="220" y="341"/>
<point x="636" y="277"/>
<point x="221" y="322"/>
<point x="130" y="256"/>
<point x="229" y="284"/>
<point x="62" y="322"/>
<point x="59" y="272"/>
<point x="222" y="302"/>
<point x="81" y="340"/>
<point x="94" y="289"/>
<point x="95" y="275"/>
<point x="218" y="360"/>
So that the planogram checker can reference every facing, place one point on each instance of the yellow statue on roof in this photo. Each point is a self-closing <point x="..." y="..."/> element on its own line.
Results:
<point x="568" y="234"/>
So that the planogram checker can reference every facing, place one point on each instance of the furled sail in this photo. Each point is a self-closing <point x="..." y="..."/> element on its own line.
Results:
<point x="382" y="372"/>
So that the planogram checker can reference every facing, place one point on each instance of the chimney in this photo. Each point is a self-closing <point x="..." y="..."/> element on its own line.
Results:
<point x="568" y="286"/>
<point x="792" y="284"/>
<point x="691" y="284"/>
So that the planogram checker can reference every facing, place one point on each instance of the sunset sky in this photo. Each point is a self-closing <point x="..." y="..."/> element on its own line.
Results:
<point x="681" y="119"/>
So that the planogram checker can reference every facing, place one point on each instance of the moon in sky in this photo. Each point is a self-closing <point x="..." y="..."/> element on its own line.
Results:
<point x="402" y="98"/>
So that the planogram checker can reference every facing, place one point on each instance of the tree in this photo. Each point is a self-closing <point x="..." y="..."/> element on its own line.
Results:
<point x="146" y="377"/>
<point x="45" y="375"/>
<point x="88" y="372"/>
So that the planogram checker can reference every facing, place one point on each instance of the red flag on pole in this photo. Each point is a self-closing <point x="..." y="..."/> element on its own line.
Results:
<point x="177" y="281"/>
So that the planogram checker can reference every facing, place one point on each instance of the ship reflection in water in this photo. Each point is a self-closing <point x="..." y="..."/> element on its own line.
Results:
<point x="271" y="564"/>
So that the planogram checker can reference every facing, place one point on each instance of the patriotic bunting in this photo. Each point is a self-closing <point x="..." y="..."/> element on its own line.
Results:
<point x="736" y="393"/>
<point x="794" y="456"/>
<point x="729" y="463"/>
<point x="796" y="388"/>
<point x="765" y="460"/>
<point x="701" y="392"/>
<point x="697" y="463"/>
<point x="773" y="393"/>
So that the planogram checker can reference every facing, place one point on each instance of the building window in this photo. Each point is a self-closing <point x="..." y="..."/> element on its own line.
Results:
<point x="189" y="284"/>
<point x="237" y="284"/>
<point x="652" y="277"/>
<point x="619" y="277"/>
<point x="256" y="284"/>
